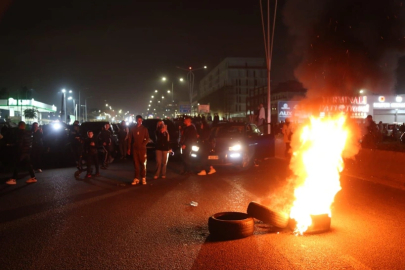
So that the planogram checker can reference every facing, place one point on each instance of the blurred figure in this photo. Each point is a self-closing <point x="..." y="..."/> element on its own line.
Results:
<point x="123" y="139"/>
<point x="216" y="119"/>
<point x="287" y="134"/>
<point x="37" y="144"/>
<point x="76" y="144"/>
<point x="205" y="145"/>
<point x="105" y="141"/>
<point x="91" y="149"/>
<point x="22" y="146"/>
<point x="261" y="117"/>
<point x="162" y="149"/>
<point x="138" y="138"/>
<point x="188" y="138"/>
<point x="370" y="138"/>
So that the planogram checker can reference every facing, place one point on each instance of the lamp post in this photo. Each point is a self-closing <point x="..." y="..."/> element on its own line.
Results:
<point x="74" y="106"/>
<point x="172" y="91"/>
<point x="190" y="78"/>
<point x="85" y="105"/>
<point x="64" y="103"/>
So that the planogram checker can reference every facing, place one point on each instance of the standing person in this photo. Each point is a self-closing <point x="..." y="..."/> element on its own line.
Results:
<point x="287" y="132"/>
<point x="91" y="149"/>
<point x="216" y="119"/>
<point x="137" y="140"/>
<point x="205" y="144"/>
<point x="76" y="146"/>
<point x="370" y="138"/>
<point x="37" y="144"/>
<point x="105" y="141"/>
<point x="23" y="145"/>
<point x="162" y="149"/>
<point x="123" y="139"/>
<point x="188" y="138"/>
<point x="262" y="117"/>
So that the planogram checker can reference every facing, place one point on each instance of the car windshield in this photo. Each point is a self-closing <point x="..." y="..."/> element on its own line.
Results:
<point x="230" y="131"/>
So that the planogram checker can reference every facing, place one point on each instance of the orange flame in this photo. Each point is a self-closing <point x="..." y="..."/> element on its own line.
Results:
<point x="317" y="164"/>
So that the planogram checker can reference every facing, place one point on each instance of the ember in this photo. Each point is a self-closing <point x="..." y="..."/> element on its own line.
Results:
<point x="317" y="163"/>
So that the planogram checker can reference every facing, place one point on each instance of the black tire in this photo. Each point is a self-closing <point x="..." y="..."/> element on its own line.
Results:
<point x="263" y="213"/>
<point x="320" y="223"/>
<point x="230" y="225"/>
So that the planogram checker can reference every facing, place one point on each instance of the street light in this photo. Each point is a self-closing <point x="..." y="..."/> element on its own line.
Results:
<point x="168" y="91"/>
<point x="190" y="78"/>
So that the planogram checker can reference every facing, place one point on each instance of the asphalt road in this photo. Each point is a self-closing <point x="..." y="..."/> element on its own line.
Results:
<point x="105" y="223"/>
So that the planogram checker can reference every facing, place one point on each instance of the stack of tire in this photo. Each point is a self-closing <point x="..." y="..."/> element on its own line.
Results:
<point x="236" y="225"/>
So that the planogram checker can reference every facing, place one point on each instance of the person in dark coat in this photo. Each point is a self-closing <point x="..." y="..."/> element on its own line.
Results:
<point x="23" y="147"/>
<point x="162" y="149"/>
<point x="205" y="147"/>
<point x="123" y="139"/>
<point x="91" y="149"/>
<point x="188" y="138"/>
<point x="37" y="144"/>
<point x="76" y="144"/>
<point x="106" y="144"/>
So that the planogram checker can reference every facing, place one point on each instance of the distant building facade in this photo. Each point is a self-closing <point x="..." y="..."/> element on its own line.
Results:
<point x="226" y="87"/>
<point x="15" y="109"/>
<point x="280" y="96"/>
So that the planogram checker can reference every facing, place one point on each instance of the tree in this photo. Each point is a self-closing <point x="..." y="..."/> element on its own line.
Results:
<point x="30" y="113"/>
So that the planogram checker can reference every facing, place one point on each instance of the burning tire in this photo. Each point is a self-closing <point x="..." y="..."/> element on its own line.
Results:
<point x="320" y="223"/>
<point x="261" y="212"/>
<point x="230" y="225"/>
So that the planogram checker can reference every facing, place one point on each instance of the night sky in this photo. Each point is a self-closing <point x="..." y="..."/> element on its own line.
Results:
<point x="117" y="51"/>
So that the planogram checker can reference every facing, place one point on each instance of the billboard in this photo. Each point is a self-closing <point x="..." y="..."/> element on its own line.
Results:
<point x="286" y="109"/>
<point x="203" y="108"/>
<point x="185" y="108"/>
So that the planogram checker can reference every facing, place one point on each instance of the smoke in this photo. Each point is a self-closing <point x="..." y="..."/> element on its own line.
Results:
<point x="344" y="46"/>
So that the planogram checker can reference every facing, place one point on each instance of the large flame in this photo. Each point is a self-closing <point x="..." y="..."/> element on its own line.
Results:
<point x="317" y="163"/>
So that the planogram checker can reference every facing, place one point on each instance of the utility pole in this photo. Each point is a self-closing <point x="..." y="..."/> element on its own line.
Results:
<point x="268" y="46"/>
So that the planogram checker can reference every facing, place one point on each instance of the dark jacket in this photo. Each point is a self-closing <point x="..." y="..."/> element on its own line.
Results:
<point x="91" y="149"/>
<point x="37" y="140"/>
<point x="204" y="133"/>
<point x="75" y="137"/>
<point x="189" y="137"/>
<point x="122" y="133"/>
<point x="23" y="143"/>
<point x="138" y="138"/>
<point x="162" y="141"/>
<point x="105" y="137"/>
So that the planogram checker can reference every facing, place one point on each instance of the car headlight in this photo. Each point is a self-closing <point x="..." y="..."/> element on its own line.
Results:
<point x="195" y="148"/>
<point x="236" y="147"/>
<point x="57" y="126"/>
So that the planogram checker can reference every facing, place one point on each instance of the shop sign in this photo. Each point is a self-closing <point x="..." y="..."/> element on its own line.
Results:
<point x="286" y="109"/>
<point x="345" y="100"/>
<point x="387" y="105"/>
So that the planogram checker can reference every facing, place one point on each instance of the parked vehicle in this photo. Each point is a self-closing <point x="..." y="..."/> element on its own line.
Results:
<point x="236" y="144"/>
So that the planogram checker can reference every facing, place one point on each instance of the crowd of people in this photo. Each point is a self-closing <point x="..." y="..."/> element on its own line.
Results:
<point x="94" y="151"/>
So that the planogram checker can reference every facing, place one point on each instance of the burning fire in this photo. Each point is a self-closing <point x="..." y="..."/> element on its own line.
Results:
<point x="317" y="163"/>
